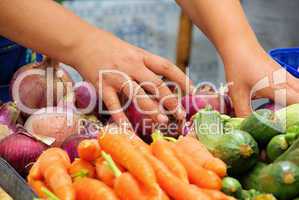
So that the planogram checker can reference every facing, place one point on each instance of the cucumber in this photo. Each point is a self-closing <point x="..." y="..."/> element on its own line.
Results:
<point x="262" y="125"/>
<point x="236" y="148"/>
<point x="232" y="187"/>
<point x="277" y="146"/>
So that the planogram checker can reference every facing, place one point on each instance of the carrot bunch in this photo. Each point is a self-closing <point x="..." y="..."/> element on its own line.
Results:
<point x="119" y="167"/>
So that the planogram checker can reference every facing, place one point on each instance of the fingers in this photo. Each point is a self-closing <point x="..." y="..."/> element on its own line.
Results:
<point x="143" y="102"/>
<point x="155" y="85"/>
<point x="241" y="101"/>
<point x="112" y="103"/>
<point x="164" y="67"/>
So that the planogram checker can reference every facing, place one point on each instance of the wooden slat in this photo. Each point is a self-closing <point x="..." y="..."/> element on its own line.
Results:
<point x="184" y="42"/>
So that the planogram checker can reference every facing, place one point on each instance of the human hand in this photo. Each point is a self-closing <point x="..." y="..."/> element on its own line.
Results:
<point x="103" y="51"/>
<point x="254" y="74"/>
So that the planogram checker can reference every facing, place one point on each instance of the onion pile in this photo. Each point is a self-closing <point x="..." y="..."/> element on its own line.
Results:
<point x="30" y="83"/>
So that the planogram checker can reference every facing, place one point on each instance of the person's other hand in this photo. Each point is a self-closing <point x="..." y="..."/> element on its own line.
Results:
<point x="255" y="72"/>
<point x="143" y="69"/>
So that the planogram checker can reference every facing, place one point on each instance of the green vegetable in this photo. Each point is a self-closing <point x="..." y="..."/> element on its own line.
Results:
<point x="236" y="148"/>
<point x="232" y="187"/>
<point x="262" y="125"/>
<point x="288" y="116"/>
<point x="277" y="146"/>
<point x="250" y="181"/>
<point x="292" y="154"/>
<point x="279" y="178"/>
<point x="232" y="124"/>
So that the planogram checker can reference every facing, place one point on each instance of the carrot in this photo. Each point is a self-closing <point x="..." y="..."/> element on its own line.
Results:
<point x="215" y="194"/>
<point x="81" y="168"/>
<point x="34" y="172"/>
<point x="171" y="184"/>
<point x="201" y="156"/>
<point x="127" y="187"/>
<point x="92" y="189"/>
<point x="197" y="174"/>
<point x="124" y="153"/>
<point x="104" y="173"/>
<point x="89" y="150"/>
<point x="37" y="186"/>
<point x="163" y="151"/>
<point x="54" y="166"/>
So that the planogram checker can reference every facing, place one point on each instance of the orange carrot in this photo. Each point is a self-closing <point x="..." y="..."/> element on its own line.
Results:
<point x="124" y="153"/>
<point x="127" y="188"/>
<point x="89" y="150"/>
<point x="197" y="174"/>
<point x="201" y="156"/>
<point x="37" y="187"/>
<point x="171" y="184"/>
<point x="81" y="168"/>
<point x="104" y="173"/>
<point x="35" y="173"/>
<point x="163" y="151"/>
<point x="54" y="166"/>
<point x="215" y="194"/>
<point x="92" y="189"/>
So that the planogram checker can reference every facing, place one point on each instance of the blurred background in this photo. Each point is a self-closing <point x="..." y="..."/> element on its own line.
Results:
<point x="153" y="25"/>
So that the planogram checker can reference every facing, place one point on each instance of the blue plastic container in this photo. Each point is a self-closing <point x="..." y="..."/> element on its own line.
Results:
<point x="287" y="58"/>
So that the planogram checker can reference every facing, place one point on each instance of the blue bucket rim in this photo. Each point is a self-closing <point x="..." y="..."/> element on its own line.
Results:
<point x="294" y="71"/>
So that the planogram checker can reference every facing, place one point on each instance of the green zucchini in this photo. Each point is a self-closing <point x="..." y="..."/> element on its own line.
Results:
<point x="236" y="148"/>
<point x="277" y="146"/>
<point x="288" y="115"/>
<point x="262" y="125"/>
<point x="279" y="178"/>
<point x="292" y="154"/>
<point x="232" y="187"/>
<point x="250" y="180"/>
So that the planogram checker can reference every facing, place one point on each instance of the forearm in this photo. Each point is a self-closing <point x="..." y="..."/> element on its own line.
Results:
<point x="46" y="27"/>
<point x="225" y="24"/>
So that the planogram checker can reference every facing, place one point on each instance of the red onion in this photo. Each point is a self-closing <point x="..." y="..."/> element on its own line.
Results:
<point x="141" y="123"/>
<point x="9" y="115"/>
<point x="71" y="143"/>
<point x="20" y="150"/>
<point x="32" y="89"/>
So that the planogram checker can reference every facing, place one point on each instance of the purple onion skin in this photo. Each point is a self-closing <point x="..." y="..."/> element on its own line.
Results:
<point x="71" y="143"/>
<point x="20" y="151"/>
<point x="82" y="96"/>
<point x="141" y="123"/>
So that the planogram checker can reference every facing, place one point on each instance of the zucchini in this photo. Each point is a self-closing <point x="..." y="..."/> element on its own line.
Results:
<point x="292" y="154"/>
<point x="255" y="195"/>
<point x="232" y="187"/>
<point x="236" y="148"/>
<point x="250" y="181"/>
<point x="262" y="125"/>
<point x="288" y="115"/>
<point x="277" y="146"/>
<point x="279" y="178"/>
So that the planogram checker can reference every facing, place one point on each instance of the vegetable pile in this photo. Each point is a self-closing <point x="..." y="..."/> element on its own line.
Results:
<point x="120" y="167"/>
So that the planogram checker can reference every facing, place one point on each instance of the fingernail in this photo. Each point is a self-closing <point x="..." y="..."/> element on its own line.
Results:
<point x="162" y="118"/>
